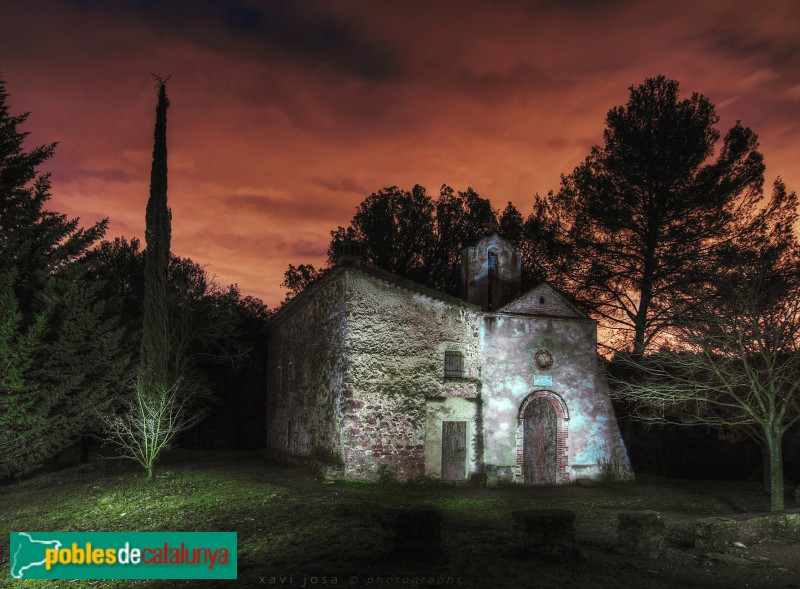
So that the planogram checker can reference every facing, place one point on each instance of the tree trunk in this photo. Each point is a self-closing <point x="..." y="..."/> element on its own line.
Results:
<point x="646" y="287"/>
<point x="765" y="475"/>
<point x="150" y="475"/>
<point x="775" y="466"/>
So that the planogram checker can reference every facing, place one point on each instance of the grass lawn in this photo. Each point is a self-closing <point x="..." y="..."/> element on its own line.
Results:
<point x="294" y="530"/>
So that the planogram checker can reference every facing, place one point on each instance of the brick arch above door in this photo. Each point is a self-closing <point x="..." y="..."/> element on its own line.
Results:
<point x="562" y="434"/>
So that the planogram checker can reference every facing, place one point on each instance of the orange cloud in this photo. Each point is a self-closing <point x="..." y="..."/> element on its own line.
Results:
<point x="283" y="119"/>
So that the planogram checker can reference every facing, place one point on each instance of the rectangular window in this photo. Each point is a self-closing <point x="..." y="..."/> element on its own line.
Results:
<point x="453" y="364"/>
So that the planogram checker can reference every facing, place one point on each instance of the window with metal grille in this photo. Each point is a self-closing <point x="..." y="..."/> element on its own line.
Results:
<point x="453" y="364"/>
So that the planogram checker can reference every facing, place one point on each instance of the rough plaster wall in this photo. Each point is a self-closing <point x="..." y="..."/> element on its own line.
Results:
<point x="307" y="344"/>
<point x="530" y="303"/>
<point x="615" y="453"/>
<point x="509" y="374"/>
<point x="449" y="409"/>
<point x="396" y="341"/>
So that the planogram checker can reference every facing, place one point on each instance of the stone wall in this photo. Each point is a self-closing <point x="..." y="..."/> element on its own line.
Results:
<point x="587" y="430"/>
<point x="356" y="378"/>
<point x="719" y="533"/>
<point x="306" y="366"/>
<point x="542" y="299"/>
<point x="396" y="341"/>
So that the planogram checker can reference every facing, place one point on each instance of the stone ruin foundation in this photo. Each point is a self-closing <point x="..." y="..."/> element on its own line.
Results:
<point x="641" y="532"/>
<point x="545" y="533"/>
<point x="410" y="533"/>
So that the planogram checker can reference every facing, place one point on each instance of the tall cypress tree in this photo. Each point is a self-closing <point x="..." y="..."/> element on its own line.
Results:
<point x="154" y="359"/>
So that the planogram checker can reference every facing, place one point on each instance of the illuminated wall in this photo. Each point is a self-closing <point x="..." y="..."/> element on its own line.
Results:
<point x="586" y="422"/>
<point x="306" y="369"/>
<point x="396" y="342"/>
<point x="357" y="378"/>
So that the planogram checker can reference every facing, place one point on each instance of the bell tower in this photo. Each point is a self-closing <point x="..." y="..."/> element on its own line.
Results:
<point x="491" y="273"/>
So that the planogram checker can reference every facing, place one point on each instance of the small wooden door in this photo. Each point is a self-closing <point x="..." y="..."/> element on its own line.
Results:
<point x="454" y="450"/>
<point x="540" y="457"/>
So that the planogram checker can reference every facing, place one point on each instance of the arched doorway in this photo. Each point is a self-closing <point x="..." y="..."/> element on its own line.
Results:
<point x="541" y="441"/>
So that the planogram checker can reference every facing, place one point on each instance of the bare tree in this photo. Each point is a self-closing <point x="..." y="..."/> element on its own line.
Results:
<point x="738" y="362"/>
<point x="150" y="423"/>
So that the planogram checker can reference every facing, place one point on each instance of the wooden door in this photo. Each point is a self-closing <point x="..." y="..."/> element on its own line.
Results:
<point x="540" y="457"/>
<point x="454" y="450"/>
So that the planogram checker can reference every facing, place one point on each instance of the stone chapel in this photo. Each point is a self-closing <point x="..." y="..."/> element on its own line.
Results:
<point x="371" y="375"/>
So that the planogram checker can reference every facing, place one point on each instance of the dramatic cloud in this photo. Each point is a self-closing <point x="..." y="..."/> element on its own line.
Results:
<point x="285" y="115"/>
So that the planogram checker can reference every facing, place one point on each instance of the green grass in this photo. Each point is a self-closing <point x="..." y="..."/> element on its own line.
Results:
<point x="289" y="523"/>
<point x="185" y="498"/>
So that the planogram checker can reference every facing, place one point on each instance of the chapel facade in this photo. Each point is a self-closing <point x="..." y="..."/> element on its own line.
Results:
<point x="372" y="375"/>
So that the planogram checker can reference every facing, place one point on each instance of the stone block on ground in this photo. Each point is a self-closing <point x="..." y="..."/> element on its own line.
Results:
<point x="545" y="532"/>
<point x="413" y="532"/>
<point x="717" y="534"/>
<point x="642" y="533"/>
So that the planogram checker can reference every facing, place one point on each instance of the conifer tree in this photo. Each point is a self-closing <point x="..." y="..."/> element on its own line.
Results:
<point x="59" y="344"/>
<point x="155" y="353"/>
<point x="645" y="217"/>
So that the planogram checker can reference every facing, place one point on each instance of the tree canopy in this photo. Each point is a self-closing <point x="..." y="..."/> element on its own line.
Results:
<point x="155" y="348"/>
<point x="59" y="340"/>
<point x="649" y="212"/>
<point x="409" y="233"/>
<point x="739" y="365"/>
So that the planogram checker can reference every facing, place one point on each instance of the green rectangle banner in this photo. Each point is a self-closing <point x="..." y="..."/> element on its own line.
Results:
<point x="123" y="555"/>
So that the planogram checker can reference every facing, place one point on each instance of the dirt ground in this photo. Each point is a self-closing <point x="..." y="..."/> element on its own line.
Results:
<point x="477" y="537"/>
<point x="680" y="503"/>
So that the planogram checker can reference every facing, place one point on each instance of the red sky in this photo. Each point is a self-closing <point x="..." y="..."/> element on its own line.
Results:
<point x="285" y="115"/>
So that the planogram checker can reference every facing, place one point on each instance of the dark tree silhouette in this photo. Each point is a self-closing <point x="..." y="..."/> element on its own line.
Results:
<point x="298" y="278"/>
<point x="738" y="362"/>
<point x="155" y="348"/>
<point x="419" y="237"/>
<point x="216" y="338"/>
<point x="741" y="369"/>
<point x="396" y="229"/>
<point x="647" y="213"/>
<point x="60" y="345"/>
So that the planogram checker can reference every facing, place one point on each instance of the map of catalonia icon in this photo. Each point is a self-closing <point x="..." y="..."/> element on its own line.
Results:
<point x="28" y="553"/>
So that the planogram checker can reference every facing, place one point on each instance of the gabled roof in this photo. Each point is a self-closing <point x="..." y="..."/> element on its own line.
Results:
<point x="372" y="272"/>
<point x="529" y="303"/>
<point x="543" y="300"/>
<point x="404" y="283"/>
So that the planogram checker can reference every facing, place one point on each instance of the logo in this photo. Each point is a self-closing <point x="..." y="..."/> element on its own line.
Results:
<point x="123" y="555"/>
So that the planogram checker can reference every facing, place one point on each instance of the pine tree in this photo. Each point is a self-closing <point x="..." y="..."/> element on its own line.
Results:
<point x="647" y="213"/>
<point x="59" y="344"/>
<point x="155" y="350"/>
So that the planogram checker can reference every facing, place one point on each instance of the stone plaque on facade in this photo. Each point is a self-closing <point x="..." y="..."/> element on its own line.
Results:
<point x="543" y="380"/>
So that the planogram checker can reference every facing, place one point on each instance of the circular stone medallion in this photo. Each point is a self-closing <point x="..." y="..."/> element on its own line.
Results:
<point x="543" y="360"/>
